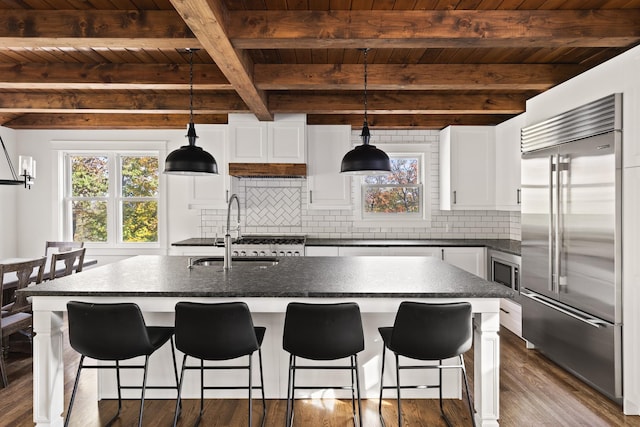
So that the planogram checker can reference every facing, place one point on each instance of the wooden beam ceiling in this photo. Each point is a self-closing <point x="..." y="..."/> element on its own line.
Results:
<point x="430" y="66"/>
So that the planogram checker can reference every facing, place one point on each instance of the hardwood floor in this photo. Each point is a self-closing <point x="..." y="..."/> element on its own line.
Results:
<point x="534" y="392"/>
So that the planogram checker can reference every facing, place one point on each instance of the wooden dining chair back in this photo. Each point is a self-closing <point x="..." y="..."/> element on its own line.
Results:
<point x="72" y="260"/>
<point x="27" y="272"/>
<point x="60" y="246"/>
<point x="16" y="314"/>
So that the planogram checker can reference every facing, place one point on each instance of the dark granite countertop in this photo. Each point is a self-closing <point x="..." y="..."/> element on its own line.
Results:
<point x="168" y="276"/>
<point x="503" y="245"/>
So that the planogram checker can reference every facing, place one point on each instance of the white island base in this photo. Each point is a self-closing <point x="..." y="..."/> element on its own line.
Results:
<point x="48" y="405"/>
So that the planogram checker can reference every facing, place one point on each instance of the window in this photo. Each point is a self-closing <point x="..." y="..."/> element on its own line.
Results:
<point x="401" y="195"/>
<point x="112" y="198"/>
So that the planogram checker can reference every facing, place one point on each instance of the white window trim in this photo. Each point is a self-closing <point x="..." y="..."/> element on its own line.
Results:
<point x="155" y="147"/>
<point x="422" y="152"/>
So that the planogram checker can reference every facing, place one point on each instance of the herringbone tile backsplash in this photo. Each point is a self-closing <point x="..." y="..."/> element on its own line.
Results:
<point x="273" y="206"/>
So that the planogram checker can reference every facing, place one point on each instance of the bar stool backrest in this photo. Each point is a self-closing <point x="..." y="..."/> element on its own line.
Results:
<point x="108" y="331"/>
<point x="323" y="331"/>
<point x="426" y="331"/>
<point x="215" y="331"/>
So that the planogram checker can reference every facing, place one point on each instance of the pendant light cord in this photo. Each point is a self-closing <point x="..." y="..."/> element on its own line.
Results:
<point x="190" y="85"/>
<point x="6" y="154"/>
<point x="365" y="84"/>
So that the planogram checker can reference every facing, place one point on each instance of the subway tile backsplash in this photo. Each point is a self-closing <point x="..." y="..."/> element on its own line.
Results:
<point x="279" y="206"/>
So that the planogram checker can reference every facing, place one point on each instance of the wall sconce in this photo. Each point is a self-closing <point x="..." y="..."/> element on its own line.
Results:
<point x="26" y="167"/>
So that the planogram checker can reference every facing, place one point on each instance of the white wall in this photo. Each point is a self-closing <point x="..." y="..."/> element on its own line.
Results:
<point x="621" y="74"/>
<point x="8" y="198"/>
<point x="37" y="221"/>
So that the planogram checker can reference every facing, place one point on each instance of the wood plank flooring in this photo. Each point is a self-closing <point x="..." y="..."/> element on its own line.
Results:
<point x="534" y="392"/>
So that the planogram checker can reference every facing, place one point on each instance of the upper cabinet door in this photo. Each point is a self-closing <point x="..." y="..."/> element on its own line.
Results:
<point x="247" y="140"/>
<point x="327" y="187"/>
<point x="467" y="168"/>
<point x="280" y="141"/>
<point x="286" y="142"/>
<point x="508" y="159"/>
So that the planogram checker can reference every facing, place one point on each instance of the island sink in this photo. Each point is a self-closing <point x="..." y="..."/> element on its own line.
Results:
<point x="218" y="261"/>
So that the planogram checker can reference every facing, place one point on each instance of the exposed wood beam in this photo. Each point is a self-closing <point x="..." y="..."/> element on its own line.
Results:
<point x="208" y="21"/>
<point x="111" y="121"/>
<point x="258" y="29"/>
<point x="413" y="77"/>
<point x="111" y="76"/>
<point x="159" y="29"/>
<point x="119" y="102"/>
<point x="400" y="103"/>
<point x="407" y="121"/>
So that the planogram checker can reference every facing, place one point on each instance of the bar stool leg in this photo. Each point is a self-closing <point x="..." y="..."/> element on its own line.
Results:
<point x="115" y="417"/>
<point x="353" y="391"/>
<point x="384" y="348"/>
<point x="466" y="386"/>
<point x="264" y="404"/>
<point x="355" y="356"/>
<point x="73" y="393"/>
<point x="398" y="390"/>
<point x="250" y="395"/>
<point x="289" y="413"/>
<point x="144" y="386"/>
<point x="175" y="371"/>
<point x="178" y="401"/>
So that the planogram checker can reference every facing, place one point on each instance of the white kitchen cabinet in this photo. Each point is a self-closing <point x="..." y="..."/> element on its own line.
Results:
<point x="280" y="141"/>
<point x="511" y="316"/>
<point x="414" y="251"/>
<point x="321" y="251"/>
<point x="467" y="168"/>
<point x="508" y="158"/>
<point x="327" y="187"/>
<point x="211" y="192"/>
<point x="362" y="250"/>
<point x="471" y="259"/>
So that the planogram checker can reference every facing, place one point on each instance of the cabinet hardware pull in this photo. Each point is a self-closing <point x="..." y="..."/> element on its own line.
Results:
<point x="518" y="196"/>
<point x="454" y="197"/>
<point x="502" y="309"/>
<point x="226" y="196"/>
<point x="310" y="196"/>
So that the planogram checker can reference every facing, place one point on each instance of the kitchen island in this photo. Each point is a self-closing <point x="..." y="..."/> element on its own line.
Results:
<point x="377" y="284"/>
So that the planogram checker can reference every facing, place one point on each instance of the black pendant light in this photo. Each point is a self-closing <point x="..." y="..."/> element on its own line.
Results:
<point x="365" y="159"/>
<point x="190" y="159"/>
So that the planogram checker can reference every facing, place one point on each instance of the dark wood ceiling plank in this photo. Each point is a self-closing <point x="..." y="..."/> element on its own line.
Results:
<point x="104" y="28"/>
<point x="413" y="77"/>
<point x="415" y="29"/>
<point x="111" y="76"/>
<point x="407" y="121"/>
<point x="119" y="102"/>
<point x="207" y="20"/>
<point x="110" y="121"/>
<point x="399" y="103"/>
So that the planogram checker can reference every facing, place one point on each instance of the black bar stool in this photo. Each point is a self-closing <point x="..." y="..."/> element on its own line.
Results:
<point x="115" y="332"/>
<point x="218" y="332"/>
<point x="428" y="332"/>
<point x="323" y="332"/>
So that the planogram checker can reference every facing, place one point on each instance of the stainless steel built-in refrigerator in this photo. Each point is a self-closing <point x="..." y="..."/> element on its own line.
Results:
<point x="571" y="247"/>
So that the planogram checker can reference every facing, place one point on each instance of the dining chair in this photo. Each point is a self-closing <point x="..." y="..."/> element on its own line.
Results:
<point x="27" y="272"/>
<point x="73" y="261"/>
<point x="428" y="332"/>
<point x="16" y="314"/>
<point x="61" y="246"/>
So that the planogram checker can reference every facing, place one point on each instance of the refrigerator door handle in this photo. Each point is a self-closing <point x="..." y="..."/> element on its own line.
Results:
<point x="551" y="227"/>
<point x="591" y="321"/>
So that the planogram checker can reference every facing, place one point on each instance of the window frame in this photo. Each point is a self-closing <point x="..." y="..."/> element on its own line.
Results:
<point x="117" y="150"/>
<point x="421" y="151"/>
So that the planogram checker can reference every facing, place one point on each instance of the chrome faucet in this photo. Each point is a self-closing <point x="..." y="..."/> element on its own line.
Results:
<point x="227" y="236"/>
